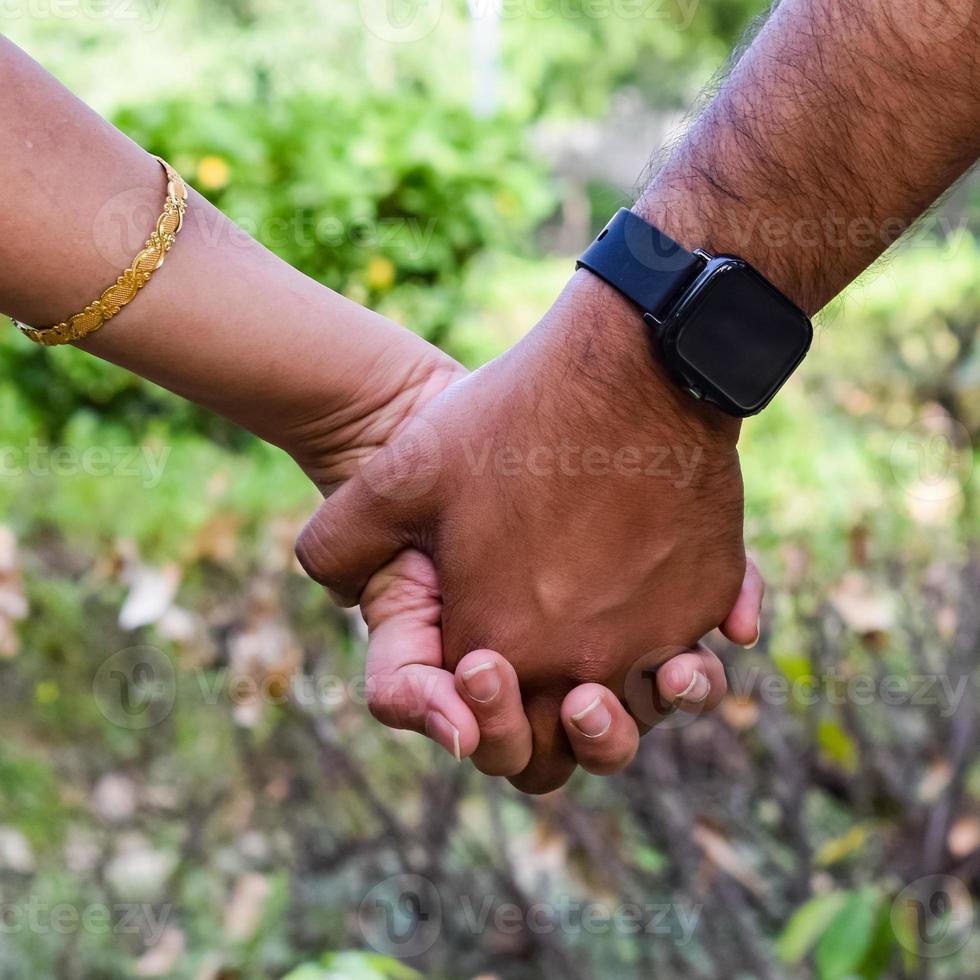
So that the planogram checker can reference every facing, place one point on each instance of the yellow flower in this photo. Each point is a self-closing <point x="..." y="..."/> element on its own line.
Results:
<point x="46" y="691"/>
<point x="380" y="274"/>
<point x="506" y="203"/>
<point x="213" y="173"/>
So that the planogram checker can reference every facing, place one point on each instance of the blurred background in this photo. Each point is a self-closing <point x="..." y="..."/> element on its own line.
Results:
<point x="190" y="783"/>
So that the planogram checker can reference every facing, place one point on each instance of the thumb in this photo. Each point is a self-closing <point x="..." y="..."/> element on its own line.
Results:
<point x="372" y="517"/>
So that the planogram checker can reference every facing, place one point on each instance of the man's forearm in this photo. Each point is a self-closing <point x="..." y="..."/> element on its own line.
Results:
<point x="223" y="322"/>
<point x="841" y="124"/>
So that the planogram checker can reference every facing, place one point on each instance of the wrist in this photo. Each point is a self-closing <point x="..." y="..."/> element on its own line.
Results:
<point x="778" y="243"/>
<point x="606" y="339"/>
<point x="330" y="445"/>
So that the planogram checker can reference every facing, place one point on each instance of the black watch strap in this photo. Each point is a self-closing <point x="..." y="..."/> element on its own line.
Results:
<point x="643" y="263"/>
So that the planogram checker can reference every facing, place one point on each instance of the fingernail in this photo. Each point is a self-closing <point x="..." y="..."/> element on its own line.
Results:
<point x="482" y="682"/>
<point x="697" y="690"/>
<point x="594" y="720"/>
<point x="758" y="633"/>
<point x="438" y="728"/>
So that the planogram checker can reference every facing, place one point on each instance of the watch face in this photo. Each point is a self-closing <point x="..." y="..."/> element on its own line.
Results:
<point x="735" y="337"/>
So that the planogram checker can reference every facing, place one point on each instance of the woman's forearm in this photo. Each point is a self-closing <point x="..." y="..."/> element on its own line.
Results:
<point x="223" y="322"/>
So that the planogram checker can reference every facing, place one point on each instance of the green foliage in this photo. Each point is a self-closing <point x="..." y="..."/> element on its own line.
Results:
<point x="386" y="201"/>
<point x="359" y="161"/>
<point x="848" y="936"/>
<point x="807" y="925"/>
<point x="354" y="965"/>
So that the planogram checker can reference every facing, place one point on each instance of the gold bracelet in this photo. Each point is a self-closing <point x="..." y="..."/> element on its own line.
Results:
<point x="131" y="281"/>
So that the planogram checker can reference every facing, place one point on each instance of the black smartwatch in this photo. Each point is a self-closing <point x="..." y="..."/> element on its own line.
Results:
<point x="726" y="333"/>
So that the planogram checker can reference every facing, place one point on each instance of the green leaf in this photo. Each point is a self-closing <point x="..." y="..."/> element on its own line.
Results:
<point x="844" y="846"/>
<point x="837" y="744"/>
<point x="355" y="964"/>
<point x="847" y="939"/>
<point x="807" y="924"/>
<point x="883" y="946"/>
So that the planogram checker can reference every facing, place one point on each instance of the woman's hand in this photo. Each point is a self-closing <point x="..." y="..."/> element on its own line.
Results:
<point x="476" y="711"/>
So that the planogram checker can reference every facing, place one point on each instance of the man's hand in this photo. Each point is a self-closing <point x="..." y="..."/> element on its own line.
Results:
<point x="838" y="126"/>
<point x="476" y="711"/>
<point x="583" y="514"/>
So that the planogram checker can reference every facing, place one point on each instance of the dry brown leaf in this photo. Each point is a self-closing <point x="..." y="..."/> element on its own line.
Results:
<point x="161" y="960"/>
<point x="964" y="837"/>
<point x="15" y="852"/>
<point x="863" y="607"/>
<point x="739" y="711"/>
<point x="723" y="856"/>
<point x="934" y="781"/>
<point x="13" y="602"/>
<point x="279" y="545"/>
<point x="151" y="593"/>
<point x="935" y="504"/>
<point x="114" y="798"/>
<point x="243" y="914"/>
<point x="217" y="539"/>
<point x="265" y="657"/>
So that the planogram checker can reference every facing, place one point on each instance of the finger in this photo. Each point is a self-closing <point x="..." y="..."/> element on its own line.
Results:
<point x="405" y="684"/>
<point x="602" y="733"/>
<point x="488" y="685"/>
<point x="347" y="540"/>
<point x="694" y="681"/>
<point x="741" y="626"/>
<point x="369" y="519"/>
<point x="552" y="761"/>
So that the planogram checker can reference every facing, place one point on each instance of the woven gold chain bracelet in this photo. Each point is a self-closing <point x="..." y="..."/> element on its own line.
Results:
<point x="125" y="288"/>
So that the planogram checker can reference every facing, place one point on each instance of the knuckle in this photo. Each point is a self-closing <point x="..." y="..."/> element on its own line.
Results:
<point x="501" y="727"/>
<point x="604" y="765"/>
<point x="380" y="707"/>
<point x="499" y="767"/>
<point x="539" y="783"/>
<point x="311" y="552"/>
<point x="384" y="702"/>
<point x="398" y="699"/>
